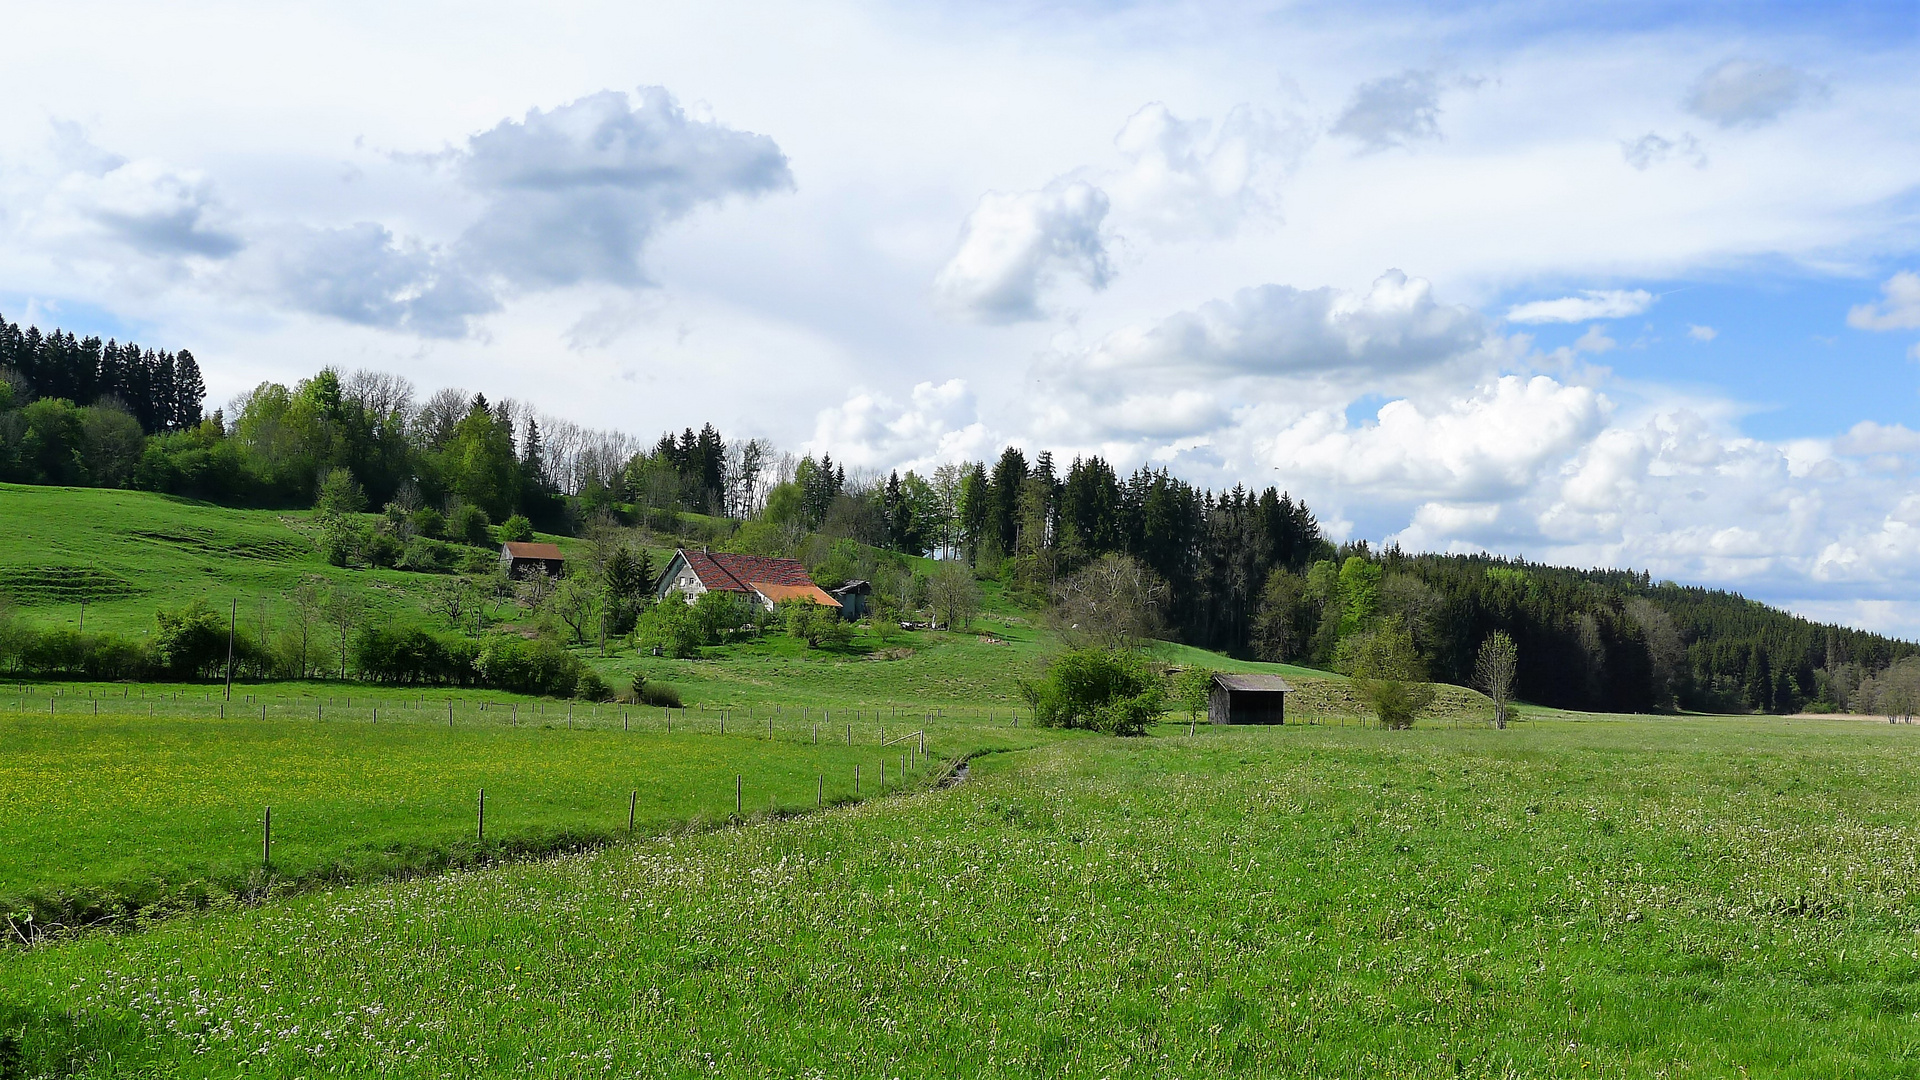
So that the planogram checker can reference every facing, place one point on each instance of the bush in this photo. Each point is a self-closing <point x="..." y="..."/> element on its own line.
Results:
<point x="429" y="523"/>
<point x="516" y="528"/>
<point x="593" y="688"/>
<point x="192" y="642"/>
<point x="383" y="549"/>
<point x="670" y="627"/>
<point x="720" y="615"/>
<point x="660" y="695"/>
<point x="540" y="666"/>
<point x="340" y="493"/>
<point x="341" y="538"/>
<point x="1099" y="690"/>
<point x="469" y="523"/>
<point x="815" y="624"/>
<point x="412" y="656"/>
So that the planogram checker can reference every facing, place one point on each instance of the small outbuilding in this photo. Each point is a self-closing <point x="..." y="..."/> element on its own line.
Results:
<point x="853" y="597"/>
<point x="520" y="559"/>
<point x="1238" y="698"/>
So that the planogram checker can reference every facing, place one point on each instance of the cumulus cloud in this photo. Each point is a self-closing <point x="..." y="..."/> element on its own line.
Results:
<point x="1492" y="444"/>
<point x="1653" y="148"/>
<point x="363" y="274"/>
<point x="575" y="193"/>
<point x="1016" y="245"/>
<point x="1397" y="110"/>
<point x="1701" y="333"/>
<point x="1749" y="93"/>
<point x="1868" y="437"/>
<point x="1180" y="179"/>
<point x="1396" y="326"/>
<point x="1589" y="305"/>
<point x="1186" y="178"/>
<point x="1897" y="309"/>
<point x="155" y="210"/>
<point x="940" y="423"/>
<point x="101" y="202"/>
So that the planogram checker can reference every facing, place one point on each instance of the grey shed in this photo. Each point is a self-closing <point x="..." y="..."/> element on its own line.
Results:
<point x="1247" y="699"/>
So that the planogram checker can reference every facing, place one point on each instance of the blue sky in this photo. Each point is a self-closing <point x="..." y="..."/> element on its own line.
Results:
<point x="1603" y="283"/>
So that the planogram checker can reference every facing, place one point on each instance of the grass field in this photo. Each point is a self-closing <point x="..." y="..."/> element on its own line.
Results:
<point x="1590" y="898"/>
<point x="118" y="811"/>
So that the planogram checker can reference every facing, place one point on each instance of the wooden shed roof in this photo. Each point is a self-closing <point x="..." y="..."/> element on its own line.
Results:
<point x="1235" y="680"/>
<point x="519" y="550"/>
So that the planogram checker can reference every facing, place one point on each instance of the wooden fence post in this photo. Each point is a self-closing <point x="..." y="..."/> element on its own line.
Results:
<point x="483" y="815"/>
<point x="266" y="841"/>
<point x="633" y="803"/>
<point x="736" y="794"/>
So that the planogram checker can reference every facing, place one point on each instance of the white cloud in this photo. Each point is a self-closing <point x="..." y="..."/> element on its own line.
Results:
<point x="1867" y="437"/>
<point x="940" y="423"/>
<point x="1701" y="333"/>
<point x="1395" y="326"/>
<point x="150" y="208"/>
<point x="1653" y="148"/>
<point x="1397" y="110"/>
<point x="575" y="193"/>
<point x="1181" y="179"/>
<point x="1184" y="178"/>
<point x="1493" y="444"/>
<point x="1016" y="245"/>
<point x="1749" y="93"/>
<point x="1897" y="309"/>
<point x="1589" y="305"/>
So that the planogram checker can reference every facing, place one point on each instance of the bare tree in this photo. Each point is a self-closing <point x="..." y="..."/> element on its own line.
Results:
<point x="308" y="604"/>
<point x="455" y="599"/>
<point x="534" y="590"/>
<point x="1113" y="602"/>
<point x="385" y="396"/>
<point x="345" y="609"/>
<point x="1494" y="672"/>
<point x="434" y="423"/>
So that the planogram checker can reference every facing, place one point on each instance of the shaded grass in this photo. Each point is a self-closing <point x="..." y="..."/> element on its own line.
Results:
<point x="1625" y="898"/>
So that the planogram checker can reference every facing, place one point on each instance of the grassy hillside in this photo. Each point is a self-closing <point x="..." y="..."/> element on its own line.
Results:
<point x="129" y="554"/>
<point x="1628" y="898"/>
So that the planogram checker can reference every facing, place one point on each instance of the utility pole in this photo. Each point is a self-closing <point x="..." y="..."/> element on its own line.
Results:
<point x="233" y="620"/>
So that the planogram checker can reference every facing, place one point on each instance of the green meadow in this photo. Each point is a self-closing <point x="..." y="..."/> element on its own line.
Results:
<point x="1599" y="897"/>
<point x="126" y="807"/>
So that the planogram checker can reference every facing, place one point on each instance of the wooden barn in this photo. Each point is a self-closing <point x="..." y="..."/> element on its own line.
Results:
<point x="519" y="559"/>
<point x="1238" y="698"/>
<point x="854" y="598"/>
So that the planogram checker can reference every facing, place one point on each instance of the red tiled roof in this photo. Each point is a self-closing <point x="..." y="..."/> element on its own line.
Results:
<point x="739" y="573"/>
<point x="519" y="550"/>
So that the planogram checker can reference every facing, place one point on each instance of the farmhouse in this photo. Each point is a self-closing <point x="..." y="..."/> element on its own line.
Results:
<point x="765" y="581"/>
<point x="1247" y="699"/>
<point x="519" y="559"/>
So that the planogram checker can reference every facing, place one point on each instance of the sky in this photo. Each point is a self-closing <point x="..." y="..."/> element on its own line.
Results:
<point x="1602" y="284"/>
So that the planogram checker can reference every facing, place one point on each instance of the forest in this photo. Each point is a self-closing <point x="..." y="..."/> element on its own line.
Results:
<point x="1239" y="571"/>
